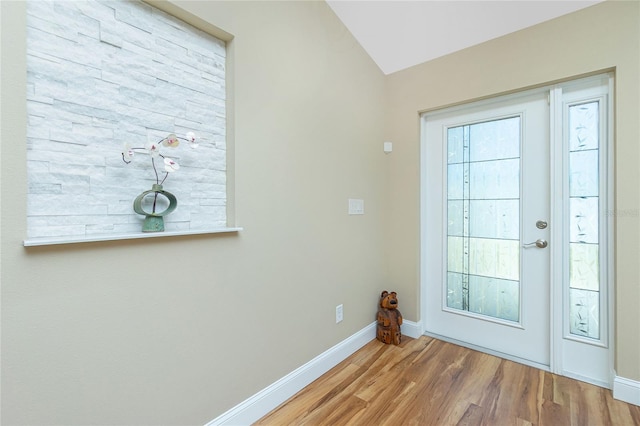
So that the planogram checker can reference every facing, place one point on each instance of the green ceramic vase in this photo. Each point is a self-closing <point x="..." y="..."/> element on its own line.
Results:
<point x="154" y="221"/>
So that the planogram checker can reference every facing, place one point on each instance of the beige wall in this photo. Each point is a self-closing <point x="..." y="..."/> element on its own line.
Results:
<point x="179" y="330"/>
<point x="602" y="37"/>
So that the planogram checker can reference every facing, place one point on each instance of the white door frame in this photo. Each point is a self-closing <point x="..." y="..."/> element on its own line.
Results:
<point x="556" y="332"/>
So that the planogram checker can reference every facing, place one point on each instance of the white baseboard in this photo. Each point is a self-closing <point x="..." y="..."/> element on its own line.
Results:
<point x="411" y="329"/>
<point x="263" y="402"/>
<point x="266" y="400"/>
<point x="626" y="390"/>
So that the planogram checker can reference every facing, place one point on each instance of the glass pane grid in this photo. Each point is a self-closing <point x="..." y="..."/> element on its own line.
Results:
<point x="584" y="217"/>
<point x="483" y="218"/>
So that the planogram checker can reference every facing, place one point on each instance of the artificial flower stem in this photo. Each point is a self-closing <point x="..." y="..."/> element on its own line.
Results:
<point x="153" y="163"/>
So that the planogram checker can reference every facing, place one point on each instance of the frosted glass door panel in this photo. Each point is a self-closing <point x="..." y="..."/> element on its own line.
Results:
<point x="584" y="220"/>
<point x="494" y="219"/>
<point x="497" y="179"/>
<point x="495" y="139"/>
<point x="583" y="174"/>
<point x="584" y="313"/>
<point x="456" y="259"/>
<point x="455" y="221"/>
<point x="454" y="291"/>
<point x="456" y="181"/>
<point x="483" y="218"/>
<point x="494" y="258"/>
<point x="584" y="133"/>
<point x="494" y="297"/>
<point x="584" y="268"/>
<point x="584" y="216"/>
<point x="455" y="145"/>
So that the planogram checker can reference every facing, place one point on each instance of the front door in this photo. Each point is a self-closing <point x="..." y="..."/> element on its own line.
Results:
<point x="486" y="232"/>
<point x="516" y="226"/>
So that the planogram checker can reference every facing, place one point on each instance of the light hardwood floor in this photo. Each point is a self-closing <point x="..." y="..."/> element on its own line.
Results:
<point x="426" y="381"/>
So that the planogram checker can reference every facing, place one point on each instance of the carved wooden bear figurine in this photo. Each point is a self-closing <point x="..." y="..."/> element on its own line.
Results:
<point x="389" y="319"/>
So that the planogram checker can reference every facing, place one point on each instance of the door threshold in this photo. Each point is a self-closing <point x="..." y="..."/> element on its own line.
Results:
<point x="490" y="351"/>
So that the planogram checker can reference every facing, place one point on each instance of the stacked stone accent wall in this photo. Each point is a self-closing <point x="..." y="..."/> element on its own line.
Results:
<point x="102" y="73"/>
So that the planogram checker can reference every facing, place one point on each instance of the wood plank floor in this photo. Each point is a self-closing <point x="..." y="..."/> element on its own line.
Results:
<point x="426" y="381"/>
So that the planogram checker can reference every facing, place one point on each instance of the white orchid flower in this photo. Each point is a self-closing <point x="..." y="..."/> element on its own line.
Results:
<point x="191" y="137"/>
<point x="171" y="141"/>
<point x="153" y="148"/>
<point x="170" y="166"/>
<point x="127" y="152"/>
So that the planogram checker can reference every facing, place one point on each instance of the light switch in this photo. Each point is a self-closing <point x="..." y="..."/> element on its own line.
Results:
<point x="356" y="206"/>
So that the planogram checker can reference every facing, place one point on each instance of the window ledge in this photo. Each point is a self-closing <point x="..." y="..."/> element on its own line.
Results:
<point x="47" y="241"/>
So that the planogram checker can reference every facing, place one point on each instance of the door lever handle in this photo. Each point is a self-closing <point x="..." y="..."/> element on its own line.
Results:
<point x="537" y="243"/>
